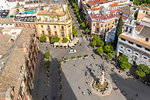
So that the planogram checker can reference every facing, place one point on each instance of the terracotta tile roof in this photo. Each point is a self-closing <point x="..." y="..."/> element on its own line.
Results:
<point x="113" y="5"/>
<point x="139" y="27"/>
<point x="104" y="17"/>
<point x="92" y="3"/>
<point x="94" y="9"/>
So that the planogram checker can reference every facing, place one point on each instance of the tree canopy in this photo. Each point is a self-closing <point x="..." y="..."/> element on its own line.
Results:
<point x="94" y="43"/>
<point x="74" y="31"/>
<point x="108" y="48"/>
<point x="99" y="50"/>
<point x="83" y="25"/>
<point x="87" y="30"/>
<point x="123" y="58"/>
<point x="125" y="65"/>
<point x="108" y="56"/>
<point x="142" y="70"/>
<point x="100" y="43"/>
<point x="140" y="2"/>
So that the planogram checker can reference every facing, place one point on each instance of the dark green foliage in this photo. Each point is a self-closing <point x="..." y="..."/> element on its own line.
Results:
<point x="125" y="65"/>
<point x="135" y="15"/>
<point x="142" y="70"/>
<point x="54" y="39"/>
<point x="140" y="2"/>
<point x="118" y="31"/>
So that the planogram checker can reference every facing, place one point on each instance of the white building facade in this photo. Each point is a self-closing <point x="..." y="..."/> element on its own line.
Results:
<point x="134" y="42"/>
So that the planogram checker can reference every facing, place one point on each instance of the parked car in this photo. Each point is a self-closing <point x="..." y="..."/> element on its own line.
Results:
<point x="72" y="51"/>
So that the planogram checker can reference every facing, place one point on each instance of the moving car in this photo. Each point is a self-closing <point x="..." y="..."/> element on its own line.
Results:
<point x="72" y="51"/>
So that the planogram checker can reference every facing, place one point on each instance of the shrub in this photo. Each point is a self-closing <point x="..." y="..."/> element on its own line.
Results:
<point x="43" y="38"/>
<point x="59" y="79"/>
<point x="54" y="39"/>
<point x="59" y="71"/>
<point x="47" y="64"/>
<point x="80" y="56"/>
<point x="60" y="87"/>
<point x="65" y="40"/>
<point x="73" y="57"/>
<point x="47" y="55"/>
<point x="59" y="65"/>
<point x="108" y="56"/>
<point x="61" y="96"/>
<point x="123" y="58"/>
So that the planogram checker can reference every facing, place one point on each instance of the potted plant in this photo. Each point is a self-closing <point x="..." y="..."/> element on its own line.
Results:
<point x="86" y="56"/>
<point x="66" y="59"/>
<point x="80" y="56"/>
<point x="73" y="57"/>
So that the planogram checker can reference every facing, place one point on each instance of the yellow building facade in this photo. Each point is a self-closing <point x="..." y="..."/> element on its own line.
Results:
<point x="54" y="20"/>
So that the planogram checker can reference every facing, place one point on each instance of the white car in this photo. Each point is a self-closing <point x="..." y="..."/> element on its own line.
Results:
<point x="72" y="51"/>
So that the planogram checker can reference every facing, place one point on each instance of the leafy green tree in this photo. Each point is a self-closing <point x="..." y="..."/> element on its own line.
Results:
<point x="83" y="25"/>
<point x="65" y="40"/>
<point x="144" y="68"/>
<point x="123" y="58"/>
<point x="43" y="38"/>
<point x="108" y="48"/>
<point x="100" y="43"/>
<point x="114" y="52"/>
<point x="74" y="31"/>
<point x="87" y="30"/>
<point x="54" y="39"/>
<point x="135" y="15"/>
<point x="99" y="50"/>
<point x="47" y="55"/>
<point x="118" y="30"/>
<point x="108" y="56"/>
<point x="96" y="38"/>
<point x="140" y="73"/>
<point x="94" y="43"/>
<point x="125" y="65"/>
<point x="47" y="64"/>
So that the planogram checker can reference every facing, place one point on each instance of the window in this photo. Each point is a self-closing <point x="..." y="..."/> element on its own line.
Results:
<point x="97" y="24"/>
<point x="93" y="24"/>
<point x="130" y="42"/>
<point x="108" y="24"/>
<point x="49" y="32"/>
<point x="145" y="57"/>
<point x="122" y="39"/>
<point x="136" y="54"/>
<point x="55" y="33"/>
<point x="129" y="50"/>
<point x="105" y="25"/>
<point x="130" y="30"/>
<point x="147" y="49"/>
<point x="62" y="34"/>
<point x="146" y="39"/>
<point x="41" y="26"/>
<point x="101" y="25"/>
<point x="138" y="46"/>
<point x="126" y="29"/>
<point x="121" y="46"/>
<point x="62" y="27"/>
<point x="97" y="29"/>
<point x="43" y="32"/>
<point x="54" y="26"/>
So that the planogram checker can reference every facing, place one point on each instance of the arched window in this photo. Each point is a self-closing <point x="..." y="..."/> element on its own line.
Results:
<point x="146" y="39"/>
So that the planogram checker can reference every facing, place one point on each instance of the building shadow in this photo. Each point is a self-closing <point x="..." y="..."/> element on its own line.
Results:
<point x="43" y="75"/>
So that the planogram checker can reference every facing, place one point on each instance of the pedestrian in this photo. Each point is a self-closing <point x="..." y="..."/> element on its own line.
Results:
<point x="79" y="87"/>
<point x="54" y="98"/>
<point x="115" y="81"/>
<point x="137" y="95"/>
